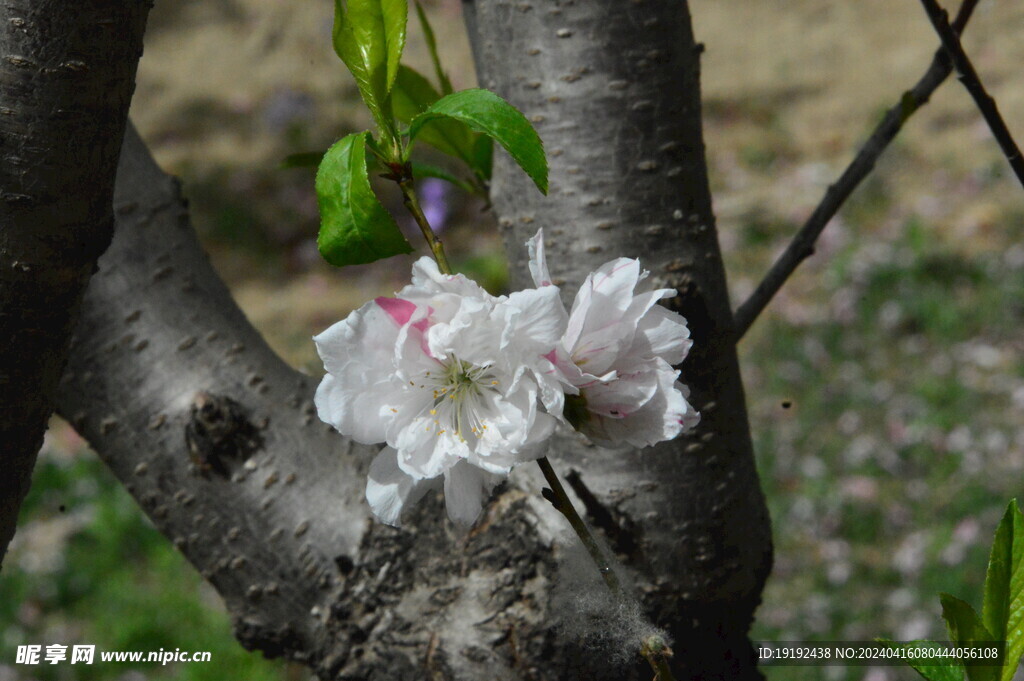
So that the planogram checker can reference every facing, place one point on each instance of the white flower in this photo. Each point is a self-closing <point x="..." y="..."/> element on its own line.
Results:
<point x="451" y="378"/>
<point x="617" y="353"/>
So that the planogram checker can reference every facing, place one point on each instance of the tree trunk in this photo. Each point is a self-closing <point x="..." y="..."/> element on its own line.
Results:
<point x="67" y="73"/>
<point x="613" y="88"/>
<point x="218" y="440"/>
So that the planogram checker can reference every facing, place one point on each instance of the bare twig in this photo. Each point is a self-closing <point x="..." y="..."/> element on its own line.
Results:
<point x="802" y="246"/>
<point x="560" y="500"/>
<point x="970" y="80"/>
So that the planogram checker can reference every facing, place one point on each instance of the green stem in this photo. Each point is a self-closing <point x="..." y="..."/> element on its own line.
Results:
<point x="412" y="204"/>
<point x="560" y="500"/>
<point x="654" y="649"/>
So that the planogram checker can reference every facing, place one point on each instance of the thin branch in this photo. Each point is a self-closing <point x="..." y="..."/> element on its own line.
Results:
<point x="970" y="80"/>
<point x="654" y="649"/>
<point x="560" y="500"/>
<point x="802" y="246"/>
<point x="412" y="204"/>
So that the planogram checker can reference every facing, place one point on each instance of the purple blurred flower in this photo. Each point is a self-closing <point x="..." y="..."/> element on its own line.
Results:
<point x="434" y="201"/>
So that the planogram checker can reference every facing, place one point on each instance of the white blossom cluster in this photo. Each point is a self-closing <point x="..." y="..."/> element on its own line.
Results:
<point x="462" y="385"/>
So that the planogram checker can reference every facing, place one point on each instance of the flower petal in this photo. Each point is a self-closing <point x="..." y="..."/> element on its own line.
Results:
<point x="470" y="334"/>
<point x="598" y="329"/>
<point x="662" y="417"/>
<point x="358" y="411"/>
<point x="538" y="261"/>
<point x="466" y="487"/>
<point x="426" y="277"/>
<point x="661" y="333"/>
<point x="623" y="396"/>
<point x="339" y="342"/>
<point x="425" y="450"/>
<point x="389" y="489"/>
<point x="534" y="319"/>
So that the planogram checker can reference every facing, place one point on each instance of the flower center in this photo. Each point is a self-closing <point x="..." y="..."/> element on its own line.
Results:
<point x="461" y="380"/>
<point x="459" y="397"/>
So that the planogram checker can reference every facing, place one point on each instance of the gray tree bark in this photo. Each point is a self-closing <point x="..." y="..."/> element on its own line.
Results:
<point x="67" y="73"/>
<point x="218" y="440"/>
<point x="613" y="88"/>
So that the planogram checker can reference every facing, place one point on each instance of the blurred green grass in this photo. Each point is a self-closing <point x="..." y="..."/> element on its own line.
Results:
<point x="886" y="412"/>
<point x="114" y="582"/>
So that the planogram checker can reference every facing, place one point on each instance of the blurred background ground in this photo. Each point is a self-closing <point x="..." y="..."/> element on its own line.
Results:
<point x="885" y="383"/>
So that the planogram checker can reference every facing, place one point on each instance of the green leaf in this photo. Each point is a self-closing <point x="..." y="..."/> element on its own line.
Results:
<point x="369" y="36"/>
<point x="932" y="671"/>
<point x="965" y="627"/>
<point x="424" y="170"/>
<point x="1003" y="607"/>
<point x="428" y="35"/>
<point x="413" y="94"/>
<point x="483" y="156"/>
<point x="305" y="159"/>
<point x="396" y="15"/>
<point x="354" y="227"/>
<point x="487" y="113"/>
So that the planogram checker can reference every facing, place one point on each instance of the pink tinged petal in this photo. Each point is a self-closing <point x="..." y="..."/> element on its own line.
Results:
<point x="662" y="333"/>
<point x="577" y="316"/>
<point x="567" y="368"/>
<point x="555" y="378"/>
<point x="663" y="417"/>
<point x="685" y="415"/>
<point x="641" y="304"/>
<point x="623" y="396"/>
<point x="599" y="354"/>
<point x="412" y="351"/>
<point x="602" y="299"/>
<point x="466" y="488"/>
<point x="538" y="261"/>
<point x="617" y="278"/>
<point x="613" y="283"/>
<point x="599" y="329"/>
<point x="402" y="312"/>
<point x="389" y="490"/>
<point x="359" y="394"/>
<point x="399" y="310"/>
